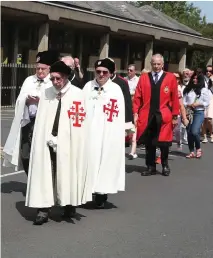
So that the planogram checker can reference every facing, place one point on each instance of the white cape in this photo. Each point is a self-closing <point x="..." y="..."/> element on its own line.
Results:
<point x="105" y="137"/>
<point x="73" y="184"/>
<point x="11" y="149"/>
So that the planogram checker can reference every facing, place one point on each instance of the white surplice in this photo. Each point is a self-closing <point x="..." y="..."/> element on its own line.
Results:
<point x="73" y="186"/>
<point x="11" y="150"/>
<point x="105" y="137"/>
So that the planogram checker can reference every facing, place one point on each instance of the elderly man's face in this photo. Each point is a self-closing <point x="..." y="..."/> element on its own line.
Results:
<point x="187" y="74"/>
<point x="68" y="61"/>
<point x="59" y="80"/>
<point x="42" y="70"/>
<point x="157" y="64"/>
<point x="102" y="75"/>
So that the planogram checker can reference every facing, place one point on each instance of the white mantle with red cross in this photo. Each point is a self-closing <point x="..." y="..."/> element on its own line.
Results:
<point x="111" y="109"/>
<point x="77" y="113"/>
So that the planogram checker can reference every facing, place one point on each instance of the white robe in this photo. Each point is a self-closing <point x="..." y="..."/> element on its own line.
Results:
<point x="105" y="137"/>
<point x="11" y="149"/>
<point x="73" y="184"/>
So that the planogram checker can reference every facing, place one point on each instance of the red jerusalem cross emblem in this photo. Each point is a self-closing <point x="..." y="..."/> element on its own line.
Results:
<point x="77" y="114"/>
<point x="111" y="109"/>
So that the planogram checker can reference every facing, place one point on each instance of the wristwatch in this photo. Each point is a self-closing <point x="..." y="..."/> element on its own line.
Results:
<point x="175" y="117"/>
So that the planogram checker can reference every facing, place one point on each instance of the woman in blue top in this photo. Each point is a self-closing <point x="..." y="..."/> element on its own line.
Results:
<point x="195" y="99"/>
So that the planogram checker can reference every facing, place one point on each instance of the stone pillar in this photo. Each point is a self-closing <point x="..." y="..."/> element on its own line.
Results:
<point x="209" y="59"/>
<point x="104" y="46"/>
<point x="43" y="37"/>
<point x="80" y="48"/>
<point x="182" y="59"/>
<point x="148" y="55"/>
<point x="127" y="56"/>
<point x="15" y="85"/>
<point x="189" y="58"/>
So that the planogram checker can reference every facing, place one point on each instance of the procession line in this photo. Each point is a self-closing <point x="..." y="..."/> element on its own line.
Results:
<point x="13" y="173"/>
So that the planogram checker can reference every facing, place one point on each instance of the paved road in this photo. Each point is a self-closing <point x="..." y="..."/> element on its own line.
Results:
<point x="156" y="217"/>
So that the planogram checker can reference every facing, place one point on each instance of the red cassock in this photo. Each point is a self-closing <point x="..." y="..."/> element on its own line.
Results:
<point x="156" y="104"/>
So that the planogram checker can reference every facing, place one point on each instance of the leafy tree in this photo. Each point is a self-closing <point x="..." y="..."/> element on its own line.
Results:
<point x="185" y="13"/>
<point x="182" y="11"/>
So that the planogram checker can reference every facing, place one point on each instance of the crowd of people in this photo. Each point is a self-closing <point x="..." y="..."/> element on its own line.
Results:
<point x="69" y="137"/>
<point x="195" y="93"/>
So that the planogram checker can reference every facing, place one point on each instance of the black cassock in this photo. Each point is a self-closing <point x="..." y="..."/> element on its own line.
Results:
<point x="127" y="97"/>
<point x="26" y="140"/>
<point x="75" y="80"/>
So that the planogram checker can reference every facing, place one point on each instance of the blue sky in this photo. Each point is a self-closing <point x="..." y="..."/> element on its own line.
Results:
<point x="206" y="8"/>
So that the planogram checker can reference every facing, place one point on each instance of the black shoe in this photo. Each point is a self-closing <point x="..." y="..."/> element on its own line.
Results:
<point x="166" y="170"/>
<point x="149" y="171"/>
<point x="40" y="219"/>
<point x="100" y="200"/>
<point x="69" y="212"/>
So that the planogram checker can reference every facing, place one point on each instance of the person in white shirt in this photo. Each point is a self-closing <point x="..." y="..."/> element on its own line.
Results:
<point x="18" y="144"/>
<point x="207" y="125"/>
<point x="132" y="79"/>
<point x="195" y="99"/>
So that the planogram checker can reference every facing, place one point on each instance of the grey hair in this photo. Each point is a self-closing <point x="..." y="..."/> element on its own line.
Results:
<point x="65" y="57"/>
<point x="158" y="56"/>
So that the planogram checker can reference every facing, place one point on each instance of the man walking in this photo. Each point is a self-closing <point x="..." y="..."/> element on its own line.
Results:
<point x="156" y="109"/>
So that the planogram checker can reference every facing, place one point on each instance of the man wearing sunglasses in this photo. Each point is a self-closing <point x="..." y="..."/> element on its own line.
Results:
<point x="57" y="166"/>
<point x="132" y="79"/>
<point x="156" y="110"/>
<point x="105" y="132"/>
<point x="19" y="139"/>
<point x="208" y="125"/>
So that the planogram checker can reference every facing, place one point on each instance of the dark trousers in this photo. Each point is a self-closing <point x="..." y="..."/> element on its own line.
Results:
<point x="193" y="130"/>
<point x="151" y="155"/>
<point x="26" y="140"/>
<point x="54" y="177"/>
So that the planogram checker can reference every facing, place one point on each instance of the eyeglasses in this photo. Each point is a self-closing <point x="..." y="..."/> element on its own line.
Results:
<point x="100" y="71"/>
<point x="55" y="78"/>
<point x="130" y="70"/>
<point x="209" y="71"/>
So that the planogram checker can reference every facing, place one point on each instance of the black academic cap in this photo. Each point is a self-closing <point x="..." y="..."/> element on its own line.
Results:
<point x="47" y="57"/>
<point x="60" y="67"/>
<point x="107" y="63"/>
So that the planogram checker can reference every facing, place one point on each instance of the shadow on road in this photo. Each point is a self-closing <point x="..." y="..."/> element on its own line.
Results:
<point x="26" y="212"/>
<point x="56" y="212"/>
<point x="134" y="168"/>
<point x="13" y="186"/>
<point x="178" y="153"/>
<point x="91" y="206"/>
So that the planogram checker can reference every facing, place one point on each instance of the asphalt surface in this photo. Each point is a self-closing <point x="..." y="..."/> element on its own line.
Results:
<point x="156" y="217"/>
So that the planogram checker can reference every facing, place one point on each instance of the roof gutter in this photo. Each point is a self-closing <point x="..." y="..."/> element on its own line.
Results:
<point x="120" y="19"/>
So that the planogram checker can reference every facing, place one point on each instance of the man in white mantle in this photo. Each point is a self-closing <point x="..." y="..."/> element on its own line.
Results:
<point x="57" y="173"/>
<point x="105" y="133"/>
<point x="17" y="147"/>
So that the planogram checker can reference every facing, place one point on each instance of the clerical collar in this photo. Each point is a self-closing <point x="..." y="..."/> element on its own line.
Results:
<point x="45" y="80"/>
<point x="63" y="90"/>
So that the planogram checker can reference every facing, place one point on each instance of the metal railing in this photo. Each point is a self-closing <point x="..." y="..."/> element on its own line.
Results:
<point x="13" y="76"/>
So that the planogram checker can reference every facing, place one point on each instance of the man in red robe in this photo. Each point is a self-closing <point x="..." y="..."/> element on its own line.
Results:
<point x="156" y="107"/>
